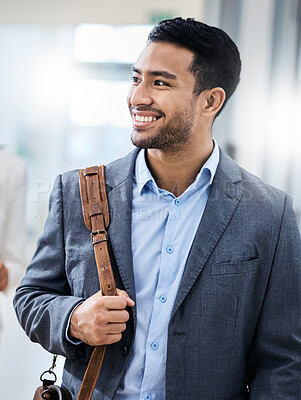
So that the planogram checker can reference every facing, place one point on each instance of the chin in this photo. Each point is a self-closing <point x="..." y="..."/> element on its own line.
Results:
<point x="140" y="144"/>
<point x="140" y="140"/>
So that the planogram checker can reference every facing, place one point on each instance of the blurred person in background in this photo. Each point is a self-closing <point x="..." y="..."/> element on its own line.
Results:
<point x="12" y="220"/>
<point x="206" y="256"/>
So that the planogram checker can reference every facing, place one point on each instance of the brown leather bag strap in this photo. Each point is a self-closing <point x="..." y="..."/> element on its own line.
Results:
<point x="97" y="219"/>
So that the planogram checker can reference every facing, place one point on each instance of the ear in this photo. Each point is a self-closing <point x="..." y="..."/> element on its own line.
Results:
<point x="214" y="100"/>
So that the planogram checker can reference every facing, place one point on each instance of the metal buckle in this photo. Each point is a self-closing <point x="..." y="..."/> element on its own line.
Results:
<point x="92" y="234"/>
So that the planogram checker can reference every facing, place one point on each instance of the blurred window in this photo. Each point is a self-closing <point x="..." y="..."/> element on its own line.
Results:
<point x="98" y="43"/>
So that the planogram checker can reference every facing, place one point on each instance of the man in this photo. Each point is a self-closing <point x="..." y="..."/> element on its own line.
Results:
<point x="12" y="219"/>
<point x="207" y="258"/>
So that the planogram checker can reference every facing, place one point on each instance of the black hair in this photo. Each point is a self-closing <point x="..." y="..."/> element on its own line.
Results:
<point x="216" y="60"/>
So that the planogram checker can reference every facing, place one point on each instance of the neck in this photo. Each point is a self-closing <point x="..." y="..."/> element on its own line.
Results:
<point x="176" y="171"/>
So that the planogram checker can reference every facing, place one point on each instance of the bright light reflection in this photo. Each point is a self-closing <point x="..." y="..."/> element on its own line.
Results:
<point x="283" y="137"/>
<point x="98" y="43"/>
<point x="53" y="78"/>
<point x="98" y="103"/>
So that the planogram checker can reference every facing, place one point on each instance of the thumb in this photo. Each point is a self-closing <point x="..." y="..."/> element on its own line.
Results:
<point x="123" y="293"/>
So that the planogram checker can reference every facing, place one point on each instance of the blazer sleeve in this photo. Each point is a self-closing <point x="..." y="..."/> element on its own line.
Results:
<point x="43" y="301"/>
<point x="274" y="369"/>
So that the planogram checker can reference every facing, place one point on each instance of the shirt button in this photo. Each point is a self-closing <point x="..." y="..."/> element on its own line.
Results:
<point x="178" y="202"/>
<point x="155" y="346"/>
<point x="124" y="351"/>
<point x="169" y="249"/>
<point x="147" y="397"/>
<point x="163" y="298"/>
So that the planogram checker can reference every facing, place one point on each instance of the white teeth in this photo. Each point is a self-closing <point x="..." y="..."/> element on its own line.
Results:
<point x="144" y="119"/>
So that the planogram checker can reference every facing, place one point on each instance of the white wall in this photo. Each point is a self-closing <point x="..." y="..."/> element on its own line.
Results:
<point x="109" y="11"/>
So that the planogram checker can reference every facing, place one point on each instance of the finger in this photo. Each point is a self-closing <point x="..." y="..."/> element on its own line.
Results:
<point x="123" y="293"/>
<point x="110" y="339"/>
<point x="120" y="293"/>
<point x="113" y="328"/>
<point x="113" y="316"/>
<point x="103" y="318"/>
<point x="114" y="302"/>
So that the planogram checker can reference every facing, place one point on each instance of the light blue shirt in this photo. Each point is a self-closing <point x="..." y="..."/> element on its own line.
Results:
<point x="163" y="229"/>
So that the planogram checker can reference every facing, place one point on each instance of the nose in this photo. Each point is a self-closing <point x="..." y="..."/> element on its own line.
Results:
<point x="140" y="95"/>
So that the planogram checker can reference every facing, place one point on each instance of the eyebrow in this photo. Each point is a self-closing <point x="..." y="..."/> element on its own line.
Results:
<point x="165" y="74"/>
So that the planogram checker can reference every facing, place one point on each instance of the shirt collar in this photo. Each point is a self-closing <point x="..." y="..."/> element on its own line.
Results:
<point x="211" y="164"/>
<point x="143" y="177"/>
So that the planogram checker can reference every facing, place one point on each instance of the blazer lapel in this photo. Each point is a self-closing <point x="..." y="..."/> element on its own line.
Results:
<point x="222" y="202"/>
<point x="119" y="180"/>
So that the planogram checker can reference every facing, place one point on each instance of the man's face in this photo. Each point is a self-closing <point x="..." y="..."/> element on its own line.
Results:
<point x="161" y="99"/>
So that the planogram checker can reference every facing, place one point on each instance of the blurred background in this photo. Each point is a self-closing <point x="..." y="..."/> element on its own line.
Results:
<point x="64" y="76"/>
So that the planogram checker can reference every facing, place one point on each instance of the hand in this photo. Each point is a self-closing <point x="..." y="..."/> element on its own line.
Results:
<point x="100" y="319"/>
<point x="3" y="276"/>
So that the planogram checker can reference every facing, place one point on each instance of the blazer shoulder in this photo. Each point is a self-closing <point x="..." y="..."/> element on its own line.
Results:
<point x="65" y="188"/>
<point x="255" y="191"/>
<point x="266" y="201"/>
<point x="70" y="178"/>
<point x="253" y="182"/>
<point x="121" y="169"/>
<point x="115" y="172"/>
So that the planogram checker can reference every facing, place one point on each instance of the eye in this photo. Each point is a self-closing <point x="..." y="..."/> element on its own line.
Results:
<point x="158" y="82"/>
<point x="134" y="79"/>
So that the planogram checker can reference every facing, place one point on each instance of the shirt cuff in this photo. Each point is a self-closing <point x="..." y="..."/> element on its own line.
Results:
<point x="68" y="338"/>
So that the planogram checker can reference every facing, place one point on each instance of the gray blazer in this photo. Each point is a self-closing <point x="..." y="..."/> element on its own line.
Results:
<point x="236" y="321"/>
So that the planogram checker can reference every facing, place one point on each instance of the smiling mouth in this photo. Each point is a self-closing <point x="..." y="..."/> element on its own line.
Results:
<point x="144" y="120"/>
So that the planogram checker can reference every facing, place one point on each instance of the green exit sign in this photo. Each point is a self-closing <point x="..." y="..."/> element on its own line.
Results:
<point x="156" y="17"/>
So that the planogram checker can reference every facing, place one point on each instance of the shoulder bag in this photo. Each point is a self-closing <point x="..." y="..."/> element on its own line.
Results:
<point x="96" y="217"/>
